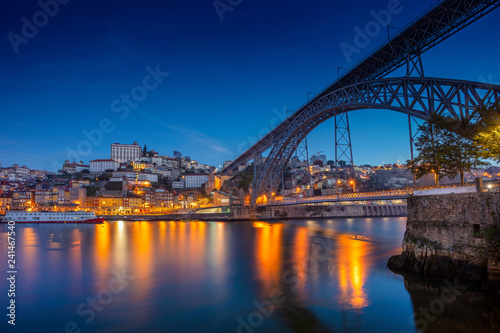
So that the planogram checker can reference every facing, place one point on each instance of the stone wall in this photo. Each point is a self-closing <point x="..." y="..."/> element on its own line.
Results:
<point x="451" y="235"/>
<point x="238" y="213"/>
<point x="313" y="211"/>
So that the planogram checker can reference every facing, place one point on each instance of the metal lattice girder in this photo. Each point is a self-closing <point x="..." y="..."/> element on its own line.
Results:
<point x="302" y="153"/>
<point x="432" y="27"/>
<point x="415" y="96"/>
<point x="343" y="148"/>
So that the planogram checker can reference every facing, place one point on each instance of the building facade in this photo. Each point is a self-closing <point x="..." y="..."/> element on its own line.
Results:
<point x="78" y="195"/>
<point x="111" y="202"/>
<point x="125" y="153"/>
<point x="5" y="203"/>
<point x="99" y="166"/>
<point x="213" y="183"/>
<point x="74" y="167"/>
<point x="159" y="197"/>
<point x="46" y="198"/>
<point x="22" y="199"/>
<point x="195" y="181"/>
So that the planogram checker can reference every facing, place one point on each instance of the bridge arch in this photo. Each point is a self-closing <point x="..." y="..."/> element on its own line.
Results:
<point x="419" y="97"/>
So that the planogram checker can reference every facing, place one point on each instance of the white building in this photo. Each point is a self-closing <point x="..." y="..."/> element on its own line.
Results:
<point x="170" y="162"/>
<point x="78" y="195"/>
<point x="134" y="176"/>
<point x="195" y="181"/>
<point x="150" y="177"/>
<point x="74" y="167"/>
<point x="129" y="175"/>
<point x="98" y="166"/>
<point x="125" y="153"/>
<point x="178" y="184"/>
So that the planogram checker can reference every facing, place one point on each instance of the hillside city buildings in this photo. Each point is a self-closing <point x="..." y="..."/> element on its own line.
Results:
<point x="134" y="180"/>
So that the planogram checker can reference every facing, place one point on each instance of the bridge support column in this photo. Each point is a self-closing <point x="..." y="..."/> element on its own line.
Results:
<point x="414" y="130"/>
<point x="302" y="152"/>
<point x="343" y="148"/>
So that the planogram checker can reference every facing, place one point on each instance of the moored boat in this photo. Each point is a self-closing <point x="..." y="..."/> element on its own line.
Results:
<point x="51" y="217"/>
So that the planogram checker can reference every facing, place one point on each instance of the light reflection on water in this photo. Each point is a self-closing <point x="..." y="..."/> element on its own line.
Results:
<point x="212" y="276"/>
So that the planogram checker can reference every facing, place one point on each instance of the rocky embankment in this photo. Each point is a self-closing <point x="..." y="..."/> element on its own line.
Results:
<point x="452" y="235"/>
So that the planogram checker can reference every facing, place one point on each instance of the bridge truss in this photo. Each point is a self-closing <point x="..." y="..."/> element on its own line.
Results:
<point x="362" y="87"/>
<point x="414" y="96"/>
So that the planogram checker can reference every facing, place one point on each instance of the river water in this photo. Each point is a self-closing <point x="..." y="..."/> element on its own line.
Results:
<point x="288" y="276"/>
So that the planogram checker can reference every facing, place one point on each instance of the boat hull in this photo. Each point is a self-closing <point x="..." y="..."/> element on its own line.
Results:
<point x="96" y="220"/>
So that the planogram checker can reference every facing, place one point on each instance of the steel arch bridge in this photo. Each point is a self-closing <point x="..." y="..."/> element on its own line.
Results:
<point x="418" y="97"/>
<point x="363" y="87"/>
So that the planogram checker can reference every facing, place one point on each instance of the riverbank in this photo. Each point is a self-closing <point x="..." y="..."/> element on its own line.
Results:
<point x="452" y="235"/>
<point x="276" y="213"/>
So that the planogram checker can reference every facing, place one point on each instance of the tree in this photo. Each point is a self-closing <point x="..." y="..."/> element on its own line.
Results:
<point x="431" y="152"/>
<point x="92" y="190"/>
<point x="145" y="150"/>
<point x="463" y="155"/>
<point x="331" y="163"/>
<point x="113" y="186"/>
<point x="342" y="164"/>
<point x="318" y="157"/>
<point x="487" y="133"/>
<point x="177" y="154"/>
<point x="246" y="178"/>
<point x="104" y="176"/>
<point x="444" y="150"/>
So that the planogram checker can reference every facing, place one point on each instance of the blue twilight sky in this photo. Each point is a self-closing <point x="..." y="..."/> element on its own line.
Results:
<point x="229" y="80"/>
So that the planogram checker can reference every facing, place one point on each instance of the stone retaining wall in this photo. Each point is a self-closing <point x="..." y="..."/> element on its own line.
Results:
<point x="451" y="235"/>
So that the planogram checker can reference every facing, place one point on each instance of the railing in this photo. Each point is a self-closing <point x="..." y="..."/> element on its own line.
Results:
<point x="380" y="195"/>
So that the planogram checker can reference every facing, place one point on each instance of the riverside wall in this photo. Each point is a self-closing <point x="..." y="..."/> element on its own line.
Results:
<point x="242" y="213"/>
<point x="452" y="235"/>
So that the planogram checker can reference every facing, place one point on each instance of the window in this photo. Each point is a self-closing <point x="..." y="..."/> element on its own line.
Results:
<point x="476" y="230"/>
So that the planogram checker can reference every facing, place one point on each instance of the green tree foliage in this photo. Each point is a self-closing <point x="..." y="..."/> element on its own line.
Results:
<point x="431" y="157"/>
<point x="487" y="133"/>
<point x="113" y="186"/>
<point x="318" y="159"/>
<point x="92" y="190"/>
<point x="104" y="176"/>
<point x="246" y="178"/>
<point x="463" y="155"/>
<point x="374" y="183"/>
<point x="165" y="182"/>
<point x="444" y="150"/>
